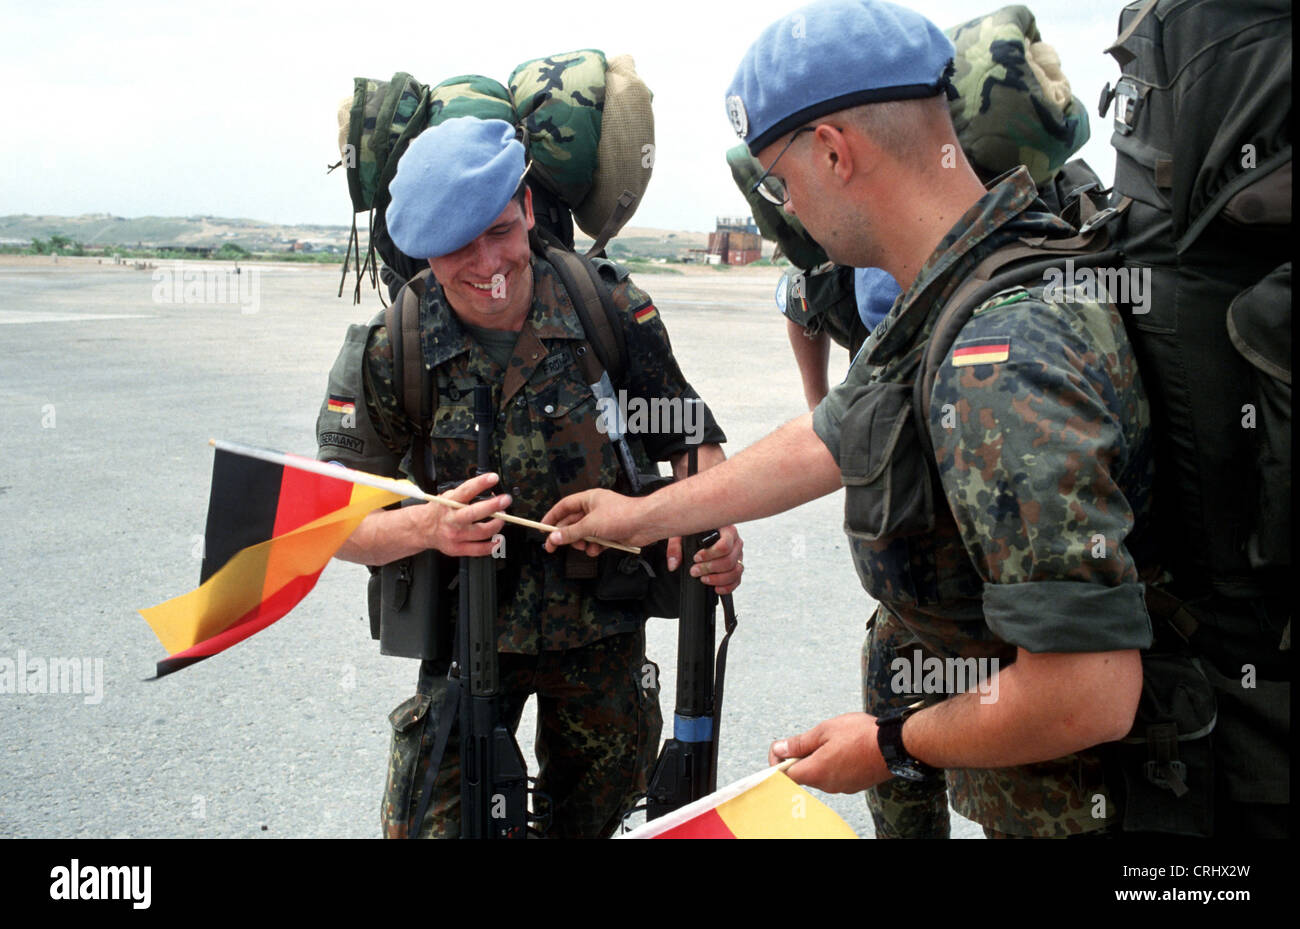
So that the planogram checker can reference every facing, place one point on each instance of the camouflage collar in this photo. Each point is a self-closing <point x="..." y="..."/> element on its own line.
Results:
<point x="551" y="316"/>
<point x="970" y="238"/>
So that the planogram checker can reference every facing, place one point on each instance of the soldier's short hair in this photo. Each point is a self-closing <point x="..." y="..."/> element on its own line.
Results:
<point x="900" y="127"/>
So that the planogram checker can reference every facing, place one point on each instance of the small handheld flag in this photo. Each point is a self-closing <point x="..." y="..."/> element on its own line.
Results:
<point x="274" y="522"/>
<point x="766" y="805"/>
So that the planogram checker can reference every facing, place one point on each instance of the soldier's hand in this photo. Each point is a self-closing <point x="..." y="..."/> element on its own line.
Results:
<point x="719" y="565"/>
<point x="600" y="513"/>
<point x="460" y="532"/>
<point x="839" y="756"/>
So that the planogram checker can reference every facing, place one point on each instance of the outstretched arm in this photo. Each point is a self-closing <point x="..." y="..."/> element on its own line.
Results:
<point x="787" y="468"/>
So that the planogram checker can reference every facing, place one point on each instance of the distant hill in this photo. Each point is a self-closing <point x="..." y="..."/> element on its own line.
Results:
<point x="100" y="229"/>
<point x="171" y="231"/>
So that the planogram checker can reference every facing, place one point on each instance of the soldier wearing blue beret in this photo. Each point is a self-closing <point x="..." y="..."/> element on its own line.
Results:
<point x="494" y="312"/>
<point x="982" y="553"/>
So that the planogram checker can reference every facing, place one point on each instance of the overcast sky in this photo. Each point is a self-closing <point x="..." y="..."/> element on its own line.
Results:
<point x="137" y="108"/>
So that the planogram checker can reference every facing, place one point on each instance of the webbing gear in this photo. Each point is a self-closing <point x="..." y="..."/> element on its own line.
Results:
<point x="590" y="298"/>
<point x="446" y="719"/>
<point x="1007" y="267"/>
<point x="1163" y="768"/>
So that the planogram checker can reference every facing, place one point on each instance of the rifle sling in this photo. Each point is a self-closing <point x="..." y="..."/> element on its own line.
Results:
<point x="719" y="675"/>
<point x="446" y="719"/>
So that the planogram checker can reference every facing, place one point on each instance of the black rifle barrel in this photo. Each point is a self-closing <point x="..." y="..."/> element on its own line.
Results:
<point x="687" y="768"/>
<point x="494" y="779"/>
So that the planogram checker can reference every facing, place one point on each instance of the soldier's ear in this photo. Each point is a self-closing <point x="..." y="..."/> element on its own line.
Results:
<point x="834" y="149"/>
<point x="529" y="221"/>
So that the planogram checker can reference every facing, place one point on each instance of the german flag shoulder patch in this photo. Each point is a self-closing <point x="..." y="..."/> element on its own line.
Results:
<point x="646" y="313"/>
<point x="344" y="405"/>
<point x="985" y="351"/>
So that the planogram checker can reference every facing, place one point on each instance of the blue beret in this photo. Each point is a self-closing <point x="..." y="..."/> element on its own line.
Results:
<point x="876" y="290"/>
<point x="830" y="56"/>
<point x="451" y="183"/>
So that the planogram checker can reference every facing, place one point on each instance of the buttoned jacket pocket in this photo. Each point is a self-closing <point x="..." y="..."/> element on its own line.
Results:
<point x="888" y="491"/>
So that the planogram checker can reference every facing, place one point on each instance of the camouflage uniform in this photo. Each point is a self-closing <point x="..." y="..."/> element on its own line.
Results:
<point x="900" y="809"/>
<point x="585" y="658"/>
<point x="598" y="723"/>
<point x="1043" y="459"/>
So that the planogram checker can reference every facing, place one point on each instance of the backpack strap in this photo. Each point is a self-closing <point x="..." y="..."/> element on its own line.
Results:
<point x="1117" y="51"/>
<point x="623" y="210"/>
<point x="592" y="301"/>
<point x="412" y="379"/>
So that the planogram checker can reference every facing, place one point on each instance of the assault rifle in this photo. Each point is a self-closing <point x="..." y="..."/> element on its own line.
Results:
<point x="687" y="768"/>
<point x="493" y="777"/>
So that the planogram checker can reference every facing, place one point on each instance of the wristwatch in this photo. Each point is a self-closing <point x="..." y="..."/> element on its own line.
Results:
<point x="889" y="736"/>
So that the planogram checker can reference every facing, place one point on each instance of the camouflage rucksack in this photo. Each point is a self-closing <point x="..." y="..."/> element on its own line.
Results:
<point x="585" y="121"/>
<point x="375" y="126"/>
<point x="1014" y="105"/>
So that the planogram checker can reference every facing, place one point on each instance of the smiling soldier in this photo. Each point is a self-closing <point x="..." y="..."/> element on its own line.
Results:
<point x="494" y="313"/>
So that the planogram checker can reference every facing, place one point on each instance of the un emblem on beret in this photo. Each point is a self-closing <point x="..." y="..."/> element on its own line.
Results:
<point x="736" y="113"/>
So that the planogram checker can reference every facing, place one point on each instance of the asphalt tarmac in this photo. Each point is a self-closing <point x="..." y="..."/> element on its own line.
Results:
<point x="113" y="383"/>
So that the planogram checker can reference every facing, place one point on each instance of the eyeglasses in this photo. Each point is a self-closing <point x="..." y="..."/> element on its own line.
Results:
<point x="772" y="189"/>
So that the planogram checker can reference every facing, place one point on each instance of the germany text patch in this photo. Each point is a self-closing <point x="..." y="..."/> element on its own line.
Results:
<point x="981" y="352"/>
<point x="345" y="405"/>
<point x="338" y="439"/>
<point x="646" y="313"/>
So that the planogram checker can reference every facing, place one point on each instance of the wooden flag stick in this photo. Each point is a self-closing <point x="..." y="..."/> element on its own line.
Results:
<point x="402" y="488"/>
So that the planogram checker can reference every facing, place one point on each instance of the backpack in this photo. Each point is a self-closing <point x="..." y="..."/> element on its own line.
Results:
<point x="1203" y="150"/>
<point x="1203" y="154"/>
<point x="585" y="121"/>
<point x="376" y="124"/>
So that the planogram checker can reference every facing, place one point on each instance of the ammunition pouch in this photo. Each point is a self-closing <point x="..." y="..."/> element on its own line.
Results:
<point x="1163" y="770"/>
<point x="888" y="484"/>
<point x="824" y="300"/>
<point x="1166" y="763"/>
<point x="645" y="577"/>
<point x="410" y="605"/>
